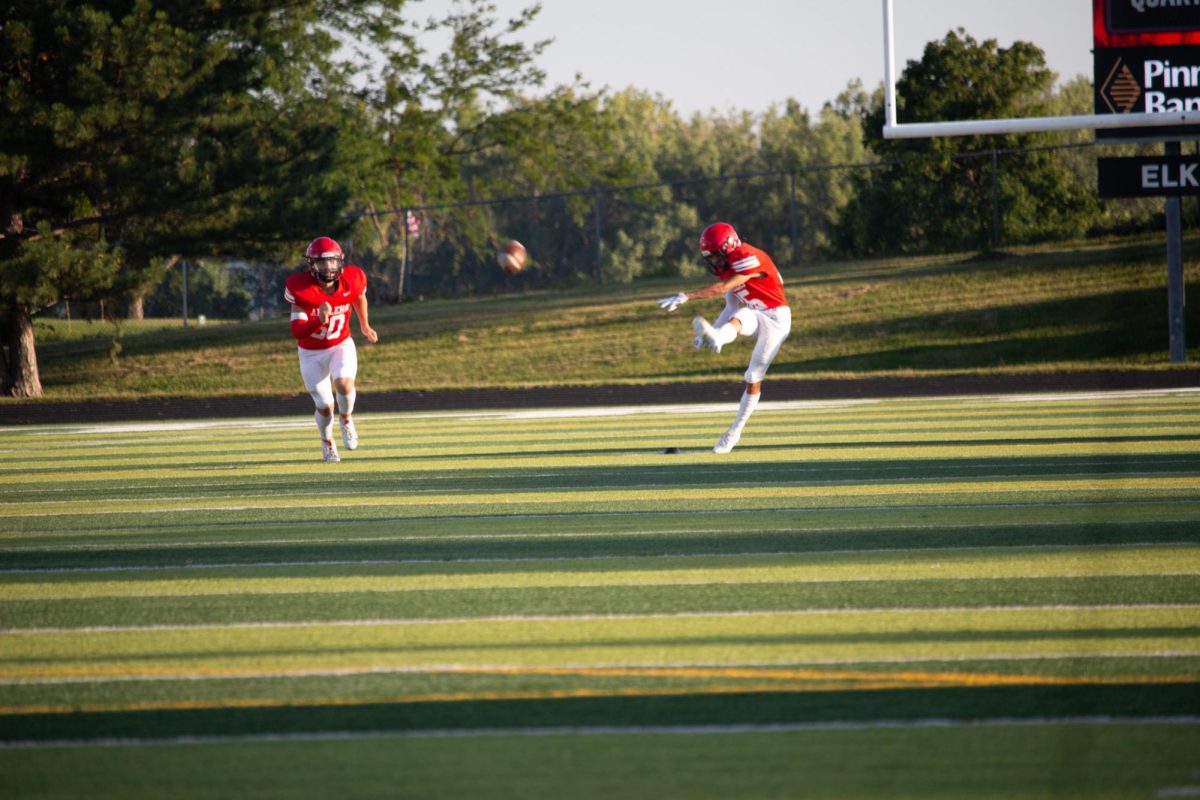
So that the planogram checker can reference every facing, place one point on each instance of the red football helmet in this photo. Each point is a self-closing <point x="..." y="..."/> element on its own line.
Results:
<point x="716" y="241"/>
<point x="325" y="259"/>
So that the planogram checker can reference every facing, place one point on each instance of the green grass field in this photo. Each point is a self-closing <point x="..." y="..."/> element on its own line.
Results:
<point x="978" y="597"/>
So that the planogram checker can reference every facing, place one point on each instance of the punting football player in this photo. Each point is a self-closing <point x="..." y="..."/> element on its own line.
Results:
<point x="321" y="300"/>
<point x="755" y="306"/>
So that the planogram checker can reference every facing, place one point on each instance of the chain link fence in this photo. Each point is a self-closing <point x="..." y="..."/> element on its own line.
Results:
<point x="978" y="201"/>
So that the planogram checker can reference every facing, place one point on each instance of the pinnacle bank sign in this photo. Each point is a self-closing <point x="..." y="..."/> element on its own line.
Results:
<point x="1146" y="60"/>
<point x="1143" y="79"/>
<point x="1146" y="57"/>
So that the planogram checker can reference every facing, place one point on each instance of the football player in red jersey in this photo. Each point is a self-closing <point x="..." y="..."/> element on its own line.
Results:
<point x="321" y="300"/>
<point x="755" y="305"/>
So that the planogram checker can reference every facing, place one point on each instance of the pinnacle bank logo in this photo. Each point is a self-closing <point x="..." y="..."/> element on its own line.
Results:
<point x="1162" y="87"/>
<point x="1120" y="90"/>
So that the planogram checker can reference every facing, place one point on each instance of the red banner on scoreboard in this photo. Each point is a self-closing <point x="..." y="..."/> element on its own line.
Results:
<point x="1145" y="23"/>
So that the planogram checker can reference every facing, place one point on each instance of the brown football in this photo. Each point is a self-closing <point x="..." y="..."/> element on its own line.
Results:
<point x="512" y="258"/>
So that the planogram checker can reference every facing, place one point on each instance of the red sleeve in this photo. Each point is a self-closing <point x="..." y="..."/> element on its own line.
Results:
<point x="304" y="327"/>
<point x="358" y="284"/>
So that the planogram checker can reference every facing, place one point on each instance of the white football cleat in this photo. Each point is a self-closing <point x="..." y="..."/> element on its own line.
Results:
<point x="727" y="442"/>
<point x="706" y="335"/>
<point x="330" y="452"/>
<point x="349" y="435"/>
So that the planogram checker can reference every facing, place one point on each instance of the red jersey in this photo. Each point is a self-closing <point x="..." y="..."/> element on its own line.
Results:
<point x="303" y="290"/>
<point x="765" y="291"/>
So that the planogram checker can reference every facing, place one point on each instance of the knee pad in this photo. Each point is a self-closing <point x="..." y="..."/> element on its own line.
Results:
<point x="322" y="394"/>
<point x="749" y="320"/>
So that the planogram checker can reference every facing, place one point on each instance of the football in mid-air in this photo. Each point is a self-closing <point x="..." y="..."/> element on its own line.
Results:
<point x="512" y="258"/>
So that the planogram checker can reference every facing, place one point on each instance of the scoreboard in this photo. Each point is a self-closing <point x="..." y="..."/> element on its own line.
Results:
<point x="1146" y="59"/>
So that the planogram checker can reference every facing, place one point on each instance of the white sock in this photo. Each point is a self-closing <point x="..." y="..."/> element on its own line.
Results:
<point x="345" y="402"/>
<point x="726" y="334"/>
<point x="745" y="409"/>
<point x="324" y="425"/>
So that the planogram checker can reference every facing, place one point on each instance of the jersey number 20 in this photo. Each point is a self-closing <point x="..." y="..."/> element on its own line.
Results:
<point x="333" y="326"/>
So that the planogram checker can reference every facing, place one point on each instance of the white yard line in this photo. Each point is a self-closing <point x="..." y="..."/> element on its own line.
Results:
<point x="441" y="669"/>
<point x="452" y="500"/>
<point x="648" y="616"/>
<point x="1057" y="504"/>
<point x="149" y="597"/>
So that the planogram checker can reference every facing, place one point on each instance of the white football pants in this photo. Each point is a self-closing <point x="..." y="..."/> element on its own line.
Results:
<point x="319" y="368"/>
<point x="770" y="326"/>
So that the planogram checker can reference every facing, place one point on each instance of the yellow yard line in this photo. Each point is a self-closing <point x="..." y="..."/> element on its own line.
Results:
<point x="783" y="680"/>
<point x="217" y="667"/>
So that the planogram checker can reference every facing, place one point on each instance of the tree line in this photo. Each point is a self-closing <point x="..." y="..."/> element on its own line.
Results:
<point x="142" y="132"/>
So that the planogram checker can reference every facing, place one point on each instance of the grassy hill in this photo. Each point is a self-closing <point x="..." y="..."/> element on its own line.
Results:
<point x="1065" y="308"/>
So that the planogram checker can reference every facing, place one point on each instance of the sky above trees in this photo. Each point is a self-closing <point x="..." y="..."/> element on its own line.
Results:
<point x="704" y="54"/>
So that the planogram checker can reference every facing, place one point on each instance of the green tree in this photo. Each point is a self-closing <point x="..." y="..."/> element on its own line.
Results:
<point x="937" y="193"/>
<point x="464" y="124"/>
<point x="808" y="151"/>
<point x="642" y="226"/>
<point x="47" y="268"/>
<point x="1077" y="97"/>
<point x="169" y="127"/>
<point x="707" y="149"/>
<point x="767" y="173"/>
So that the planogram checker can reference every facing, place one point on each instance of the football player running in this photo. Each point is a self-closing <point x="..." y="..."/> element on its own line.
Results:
<point x="755" y="305"/>
<point x="321" y="300"/>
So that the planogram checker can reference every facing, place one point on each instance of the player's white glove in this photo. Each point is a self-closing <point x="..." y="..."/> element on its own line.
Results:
<point x="673" y="302"/>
